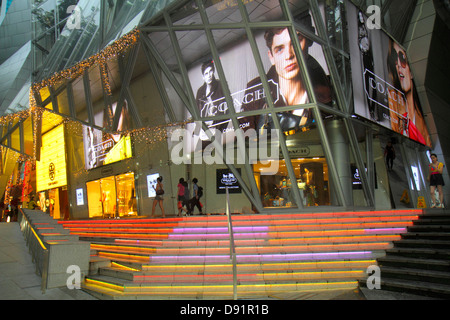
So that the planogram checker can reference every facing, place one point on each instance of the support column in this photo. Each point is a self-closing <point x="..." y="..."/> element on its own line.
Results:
<point x="341" y="153"/>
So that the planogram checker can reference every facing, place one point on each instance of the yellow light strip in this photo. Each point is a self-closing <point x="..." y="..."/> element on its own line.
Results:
<point x="104" y="284"/>
<point x="121" y="266"/>
<point x="34" y="232"/>
<point x="243" y="287"/>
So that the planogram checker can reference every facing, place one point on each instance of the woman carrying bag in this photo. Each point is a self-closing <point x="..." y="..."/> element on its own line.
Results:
<point x="159" y="197"/>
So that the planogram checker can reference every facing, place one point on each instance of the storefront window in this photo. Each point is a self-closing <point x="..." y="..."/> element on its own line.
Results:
<point x="126" y="198"/>
<point x="310" y="168"/>
<point x="112" y="197"/>
<point x="311" y="177"/>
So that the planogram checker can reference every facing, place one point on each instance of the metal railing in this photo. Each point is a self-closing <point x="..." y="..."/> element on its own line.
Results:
<point x="232" y="247"/>
<point x="38" y="250"/>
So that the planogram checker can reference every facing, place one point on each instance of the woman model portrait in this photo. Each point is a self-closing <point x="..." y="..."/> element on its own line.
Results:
<point x="436" y="181"/>
<point x="406" y="116"/>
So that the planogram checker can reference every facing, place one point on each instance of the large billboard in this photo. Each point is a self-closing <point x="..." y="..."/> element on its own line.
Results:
<point x="282" y="72"/>
<point x="101" y="148"/>
<point x="51" y="169"/>
<point x="383" y="83"/>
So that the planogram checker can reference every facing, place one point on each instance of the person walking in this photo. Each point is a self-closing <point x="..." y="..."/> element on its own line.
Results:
<point x="195" y="201"/>
<point x="436" y="181"/>
<point x="389" y="153"/>
<point x="180" y="197"/>
<point x="159" y="197"/>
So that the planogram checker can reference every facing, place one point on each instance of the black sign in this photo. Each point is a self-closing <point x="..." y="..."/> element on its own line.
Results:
<point x="356" y="178"/>
<point x="226" y="178"/>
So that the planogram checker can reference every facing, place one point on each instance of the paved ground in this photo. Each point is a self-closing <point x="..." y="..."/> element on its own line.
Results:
<point x="18" y="280"/>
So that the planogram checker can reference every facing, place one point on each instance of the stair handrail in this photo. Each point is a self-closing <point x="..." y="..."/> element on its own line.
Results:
<point x="232" y="247"/>
<point x="39" y="252"/>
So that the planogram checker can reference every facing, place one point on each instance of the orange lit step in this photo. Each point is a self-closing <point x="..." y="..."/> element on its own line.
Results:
<point x="192" y="222"/>
<point x="250" y="220"/>
<point x="255" y="218"/>
<point x="224" y="229"/>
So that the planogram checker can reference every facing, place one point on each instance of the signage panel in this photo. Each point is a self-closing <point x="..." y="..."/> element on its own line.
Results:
<point x="383" y="82"/>
<point x="51" y="169"/>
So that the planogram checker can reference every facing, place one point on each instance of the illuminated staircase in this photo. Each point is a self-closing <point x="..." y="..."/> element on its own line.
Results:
<point x="189" y="257"/>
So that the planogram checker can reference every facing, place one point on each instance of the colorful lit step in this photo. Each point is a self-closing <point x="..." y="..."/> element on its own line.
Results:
<point x="223" y="291"/>
<point x="188" y="257"/>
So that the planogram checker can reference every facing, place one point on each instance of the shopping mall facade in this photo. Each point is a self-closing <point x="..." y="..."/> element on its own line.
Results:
<point x="123" y="93"/>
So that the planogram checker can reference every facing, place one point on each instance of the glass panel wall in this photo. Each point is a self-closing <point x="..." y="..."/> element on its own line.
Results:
<point x="113" y="196"/>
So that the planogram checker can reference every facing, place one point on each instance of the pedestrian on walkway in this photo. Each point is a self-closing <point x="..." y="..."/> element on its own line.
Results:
<point x="436" y="181"/>
<point x="389" y="154"/>
<point x="181" y="197"/>
<point x="159" y="189"/>
<point x="195" y="201"/>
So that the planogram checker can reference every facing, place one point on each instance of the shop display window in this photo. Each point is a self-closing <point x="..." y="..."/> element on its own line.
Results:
<point x="311" y="177"/>
<point x="112" y="197"/>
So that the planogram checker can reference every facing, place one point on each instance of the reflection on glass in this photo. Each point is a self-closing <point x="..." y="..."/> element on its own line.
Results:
<point x="126" y="197"/>
<point x="94" y="199"/>
<point x="112" y="196"/>
<point x="264" y="10"/>
<point x="311" y="177"/>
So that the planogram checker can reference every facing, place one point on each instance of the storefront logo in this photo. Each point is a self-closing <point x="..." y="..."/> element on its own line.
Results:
<point x="51" y="171"/>
<point x="382" y="93"/>
<point x="228" y="179"/>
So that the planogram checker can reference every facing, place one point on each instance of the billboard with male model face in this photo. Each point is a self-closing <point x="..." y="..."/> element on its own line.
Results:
<point x="282" y="72"/>
<point x="383" y="83"/>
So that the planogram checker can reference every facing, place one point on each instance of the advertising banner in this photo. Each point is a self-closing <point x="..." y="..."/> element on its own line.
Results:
<point x="282" y="71"/>
<point x="51" y="169"/>
<point x="101" y="148"/>
<point x="383" y="83"/>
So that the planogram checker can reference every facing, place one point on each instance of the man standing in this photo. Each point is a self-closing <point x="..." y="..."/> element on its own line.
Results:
<point x="195" y="201"/>
<point x="210" y="99"/>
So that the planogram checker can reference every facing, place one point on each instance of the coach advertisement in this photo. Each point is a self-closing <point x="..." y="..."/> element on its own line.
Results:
<point x="383" y="83"/>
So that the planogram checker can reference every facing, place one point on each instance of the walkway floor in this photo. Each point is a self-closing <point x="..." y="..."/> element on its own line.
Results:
<point x="18" y="280"/>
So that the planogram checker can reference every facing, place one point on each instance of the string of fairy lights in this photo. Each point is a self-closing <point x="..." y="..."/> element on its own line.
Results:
<point x="148" y="135"/>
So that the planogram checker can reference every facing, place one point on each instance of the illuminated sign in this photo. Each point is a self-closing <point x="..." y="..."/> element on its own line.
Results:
<point x="383" y="84"/>
<point x="120" y="151"/>
<point x="51" y="169"/>
<point x="225" y="178"/>
<point x="151" y="184"/>
<point x="102" y="148"/>
<point x="80" y="197"/>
